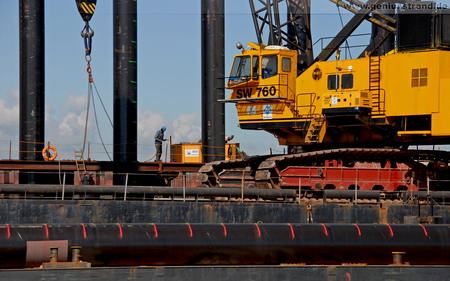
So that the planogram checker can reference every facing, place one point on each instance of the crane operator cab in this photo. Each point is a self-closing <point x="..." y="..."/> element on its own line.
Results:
<point x="263" y="80"/>
<point x="263" y="73"/>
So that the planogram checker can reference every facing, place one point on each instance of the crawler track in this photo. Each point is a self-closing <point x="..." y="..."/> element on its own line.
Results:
<point x="334" y="169"/>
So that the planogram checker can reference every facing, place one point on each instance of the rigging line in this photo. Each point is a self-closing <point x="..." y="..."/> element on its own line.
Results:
<point x="103" y="105"/>
<point x="98" y="128"/>
<point x="86" y="8"/>
<point x="346" y="41"/>
<point x="87" y="118"/>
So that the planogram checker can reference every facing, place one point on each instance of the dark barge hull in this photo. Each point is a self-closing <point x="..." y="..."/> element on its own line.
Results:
<point x="232" y="273"/>
<point x="193" y="210"/>
<point x="112" y="211"/>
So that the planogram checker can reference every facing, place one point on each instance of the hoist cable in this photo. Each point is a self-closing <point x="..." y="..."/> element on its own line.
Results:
<point x="96" y="119"/>
<point x="98" y="127"/>
<point x="87" y="118"/>
<point x="86" y="8"/>
<point x="91" y="87"/>
<point x="342" y="24"/>
<point x="103" y="105"/>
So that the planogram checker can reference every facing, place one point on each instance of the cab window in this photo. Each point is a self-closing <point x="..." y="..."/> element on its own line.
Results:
<point x="255" y="64"/>
<point x="286" y="64"/>
<point x="333" y="82"/>
<point x="269" y="66"/>
<point x="240" y="71"/>
<point x="347" y="81"/>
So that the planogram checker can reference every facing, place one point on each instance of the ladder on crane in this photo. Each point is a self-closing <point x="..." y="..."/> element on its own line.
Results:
<point x="374" y="85"/>
<point x="79" y="162"/>
<point x="313" y="134"/>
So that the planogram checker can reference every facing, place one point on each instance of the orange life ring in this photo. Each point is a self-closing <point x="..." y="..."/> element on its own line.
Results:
<point x="46" y="153"/>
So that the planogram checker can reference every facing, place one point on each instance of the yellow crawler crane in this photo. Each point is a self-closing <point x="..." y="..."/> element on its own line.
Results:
<point x="396" y="99"/>
<point x="344" y="120"/>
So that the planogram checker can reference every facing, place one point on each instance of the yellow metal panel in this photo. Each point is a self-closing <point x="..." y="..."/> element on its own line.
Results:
<point x="440" y="121"/>
<point x="411" y="82"/>
<point x="305" y="102"/>
<point x="309" y="83"/>
<point x="444" y="69"/>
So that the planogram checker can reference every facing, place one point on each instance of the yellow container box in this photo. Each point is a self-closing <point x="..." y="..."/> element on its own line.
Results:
<point x="186" y="153"/>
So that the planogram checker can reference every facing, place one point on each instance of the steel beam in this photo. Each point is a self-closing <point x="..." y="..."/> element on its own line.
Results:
<point x="213" y="79"/>
<point x="300" y="29"/>
<point x="147" y="191"/>
<point x="99" y="166"/>
<point x="125" y="81"/>
<point x="32" y="80"/>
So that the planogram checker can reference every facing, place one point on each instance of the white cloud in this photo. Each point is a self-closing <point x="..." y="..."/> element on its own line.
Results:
<point x="149" y="122"/>
<point x="67" y="125"/>
<point x="75" y="103"/>
<point x="187" y="128"/>
<point x="9" y="121"/>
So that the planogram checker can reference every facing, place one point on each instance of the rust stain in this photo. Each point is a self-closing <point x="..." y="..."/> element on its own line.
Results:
<point x="133" y="272"/>
<point x="348" y="276"/>
<point x="383" y="215"/>
<point x="210" y="213"/>
<point x="61" y="210"/>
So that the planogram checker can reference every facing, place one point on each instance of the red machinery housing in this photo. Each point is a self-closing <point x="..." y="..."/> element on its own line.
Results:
<point x="336" y="169"/>
<point x="363" y="175"/>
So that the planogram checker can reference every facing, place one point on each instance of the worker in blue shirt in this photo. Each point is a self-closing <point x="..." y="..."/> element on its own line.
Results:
<point x="159" y="138"/>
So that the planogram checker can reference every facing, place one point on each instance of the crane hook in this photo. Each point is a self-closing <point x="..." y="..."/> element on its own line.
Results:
<point x="86" y="8"/>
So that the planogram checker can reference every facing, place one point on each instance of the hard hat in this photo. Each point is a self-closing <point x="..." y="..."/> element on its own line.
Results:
<point x="163" y="128"/>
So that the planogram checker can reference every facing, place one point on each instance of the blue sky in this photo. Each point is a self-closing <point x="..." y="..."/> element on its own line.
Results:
<point x="169" y="72"/>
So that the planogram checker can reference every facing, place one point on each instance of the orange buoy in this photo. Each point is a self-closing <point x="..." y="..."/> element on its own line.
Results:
<point x="47" y="155"/>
